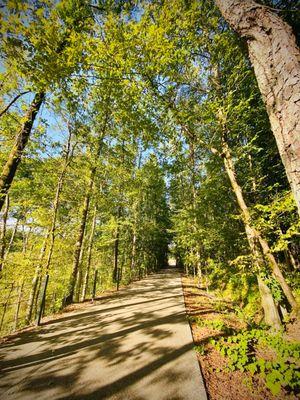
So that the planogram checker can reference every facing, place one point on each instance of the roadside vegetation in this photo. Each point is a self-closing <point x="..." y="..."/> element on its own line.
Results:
<point x="239" y="356"/>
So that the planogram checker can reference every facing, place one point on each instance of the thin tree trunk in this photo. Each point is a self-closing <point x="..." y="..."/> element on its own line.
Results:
<point x="25" y="237"/>
<point x="117" y="233"/>
<point x="36" y="279"/>
<point x="133" y="252"/>
<point x="51" y="233"/>
<point x="36" y="283"/>
<point x="79" y="271"/>
<point x="270" y="310"/>
<point x="14" y="158"/>
<point x="68" y="155"/>
<point x="5" y="305"/>
<point x="276" y="60"/>
<point x="116" y="247"/>
<point x="137" y="165"/>
<point x="288" y="255"/>
<point x="3" y="233"/>
<point x="120" y="271"/>
<point x="89" y="256"/>
<point x="79" y="241"/>
<point x="20" y="294"/>
<point x="252" y="233"/>
<point x="277" y="271"/>
<point x="13" y="235"/>
<point x="292" y="259"/>
<point x="192" y="157"/>
<point x="134" y="242"/>
<point x="76" y="257"/>
<point x="34" y="293"/>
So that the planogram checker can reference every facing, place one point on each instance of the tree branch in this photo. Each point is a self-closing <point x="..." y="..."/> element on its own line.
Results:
<point x="12" y="102"/>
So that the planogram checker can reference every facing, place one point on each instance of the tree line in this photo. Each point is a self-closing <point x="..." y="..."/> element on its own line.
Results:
<point x="131" y="127"/>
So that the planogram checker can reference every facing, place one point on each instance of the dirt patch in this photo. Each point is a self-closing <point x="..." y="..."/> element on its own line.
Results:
<point x="220" y="383"/>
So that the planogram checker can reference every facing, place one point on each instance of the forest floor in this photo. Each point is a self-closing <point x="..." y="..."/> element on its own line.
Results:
<point x="208" y="315"/>
<point x="132" y="345"/>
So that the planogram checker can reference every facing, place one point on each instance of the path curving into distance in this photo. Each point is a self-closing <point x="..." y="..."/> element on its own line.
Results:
<point x="135" y="345"/>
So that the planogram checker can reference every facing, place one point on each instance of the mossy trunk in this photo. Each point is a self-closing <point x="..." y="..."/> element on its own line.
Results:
<point x="15" y="156"/>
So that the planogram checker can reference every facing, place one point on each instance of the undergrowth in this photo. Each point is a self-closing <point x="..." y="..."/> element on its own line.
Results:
<point x="254" y="349"/>
<point x="280" y="371"/>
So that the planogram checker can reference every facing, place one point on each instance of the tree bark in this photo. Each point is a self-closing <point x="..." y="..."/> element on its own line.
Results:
<point x="14" y="158"/>
<point x="276" y="61"/>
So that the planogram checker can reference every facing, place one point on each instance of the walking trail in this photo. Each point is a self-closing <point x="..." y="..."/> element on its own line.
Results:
<point x="134" y="345"/>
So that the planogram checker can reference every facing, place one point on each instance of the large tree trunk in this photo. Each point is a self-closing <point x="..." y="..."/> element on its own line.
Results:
<point x="276" y="61"/>
<point x="14" y="158"/>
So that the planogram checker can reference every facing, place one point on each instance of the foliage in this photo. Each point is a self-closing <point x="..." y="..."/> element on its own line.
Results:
<point x="280" y="370"/>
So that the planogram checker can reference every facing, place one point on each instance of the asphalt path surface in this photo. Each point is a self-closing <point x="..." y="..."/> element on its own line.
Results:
<point x="134" y="345"/>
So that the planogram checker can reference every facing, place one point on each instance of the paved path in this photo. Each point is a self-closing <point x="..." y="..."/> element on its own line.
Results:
<point x="134" y="346"/>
